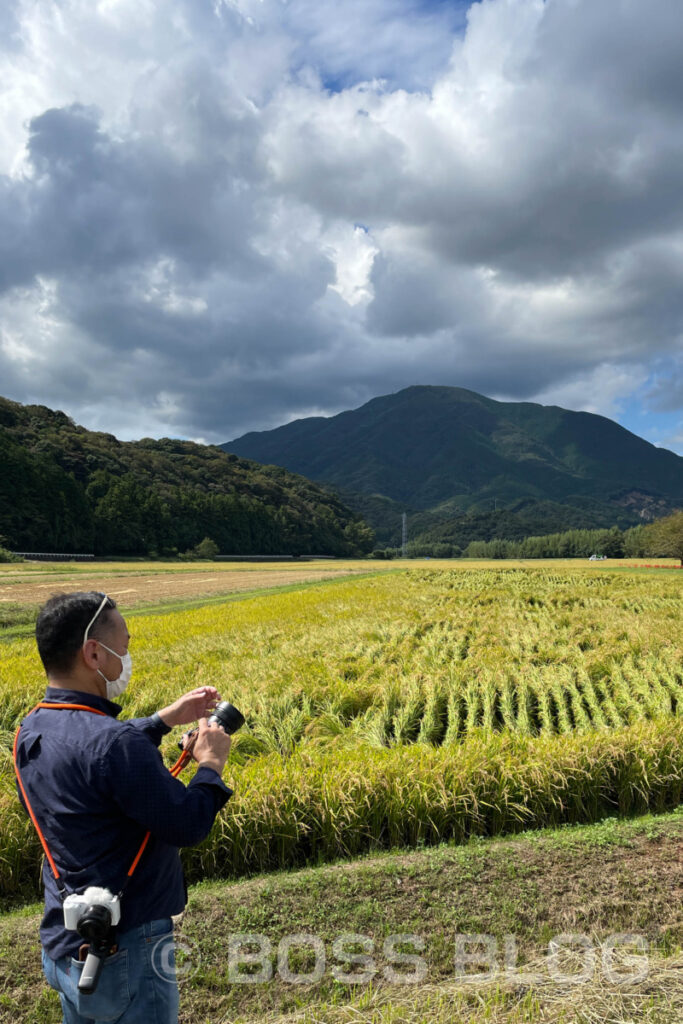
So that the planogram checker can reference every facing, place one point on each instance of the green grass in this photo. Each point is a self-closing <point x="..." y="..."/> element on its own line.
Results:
<point x="670" y="570"/>
<point x="615" y="876"/>
<point x="16" y="619"/>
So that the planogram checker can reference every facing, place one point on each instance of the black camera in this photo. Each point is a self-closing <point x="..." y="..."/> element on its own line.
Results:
<point x="95" y="928"/>
<point x="227" y="715"/>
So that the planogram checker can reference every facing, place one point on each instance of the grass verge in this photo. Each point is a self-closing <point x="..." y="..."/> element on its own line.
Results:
<point x="16" y="617"/>
<point x="599" y="880"/>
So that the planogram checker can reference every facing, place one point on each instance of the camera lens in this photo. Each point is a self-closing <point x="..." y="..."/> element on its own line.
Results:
<point x="228" y="716"/>
<point x="94" y="924"/>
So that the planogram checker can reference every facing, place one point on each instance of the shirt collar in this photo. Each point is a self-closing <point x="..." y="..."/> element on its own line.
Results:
<point x="58" y="695"/>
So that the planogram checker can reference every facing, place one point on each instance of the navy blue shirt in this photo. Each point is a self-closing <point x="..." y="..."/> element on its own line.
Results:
<point x="96" y="787"/>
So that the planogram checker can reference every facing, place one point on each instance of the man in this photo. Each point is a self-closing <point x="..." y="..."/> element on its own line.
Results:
<point x="96" y="786"/>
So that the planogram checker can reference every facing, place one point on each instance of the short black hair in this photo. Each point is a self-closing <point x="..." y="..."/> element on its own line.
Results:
<point x="61" y="623"/>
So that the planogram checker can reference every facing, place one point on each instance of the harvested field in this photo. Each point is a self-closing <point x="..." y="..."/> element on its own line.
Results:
<point x="135" y="588"/>
<point x="29" y="584"/>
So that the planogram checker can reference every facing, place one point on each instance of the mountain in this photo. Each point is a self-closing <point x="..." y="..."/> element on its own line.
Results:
<point x="65" y="488"/>
<point x="444" y="452"/>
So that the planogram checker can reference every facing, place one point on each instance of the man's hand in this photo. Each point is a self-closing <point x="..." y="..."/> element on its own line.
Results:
<point x="193" y="705"/>
<point x="211" y="745"/>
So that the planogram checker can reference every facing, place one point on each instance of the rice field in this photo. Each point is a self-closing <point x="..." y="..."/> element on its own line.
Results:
<point x="406" y="708"/>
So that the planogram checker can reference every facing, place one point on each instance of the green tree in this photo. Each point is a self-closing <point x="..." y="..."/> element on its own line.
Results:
<point x="668" y="536"/>
<point x="7" y="556"/>
<point x="206" y="548"/>
<point x="635" y="542"/>
<point x="613" y="543"/>
<point x="359" y="536"/>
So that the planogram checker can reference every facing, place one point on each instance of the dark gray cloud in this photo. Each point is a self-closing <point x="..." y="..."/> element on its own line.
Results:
<point x="183" y="184"/>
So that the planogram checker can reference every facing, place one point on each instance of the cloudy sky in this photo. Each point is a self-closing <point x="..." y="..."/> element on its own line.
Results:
<point x="220" y="215"/>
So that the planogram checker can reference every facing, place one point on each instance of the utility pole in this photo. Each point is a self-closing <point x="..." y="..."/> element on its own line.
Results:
<point x="404" y="536"/>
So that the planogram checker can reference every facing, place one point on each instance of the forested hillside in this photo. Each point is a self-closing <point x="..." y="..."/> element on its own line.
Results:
<point x="65" y="488"/>
<point x="453" y="526"/>
<point x="448" y="457"/>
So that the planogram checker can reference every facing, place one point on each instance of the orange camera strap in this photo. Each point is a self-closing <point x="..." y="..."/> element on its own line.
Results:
<point x="175" y="771"/>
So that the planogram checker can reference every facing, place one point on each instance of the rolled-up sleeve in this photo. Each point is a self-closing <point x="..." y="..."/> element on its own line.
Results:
<point x="143" y="789"/>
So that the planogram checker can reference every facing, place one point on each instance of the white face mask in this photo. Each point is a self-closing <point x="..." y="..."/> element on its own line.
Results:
<point x="115" y="687"/>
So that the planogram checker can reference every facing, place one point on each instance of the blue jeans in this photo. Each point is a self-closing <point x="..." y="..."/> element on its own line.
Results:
<point x="137" y="985"/>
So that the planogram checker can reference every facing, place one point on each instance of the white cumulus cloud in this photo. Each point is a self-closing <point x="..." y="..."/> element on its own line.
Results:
<point x="217" y="216"/>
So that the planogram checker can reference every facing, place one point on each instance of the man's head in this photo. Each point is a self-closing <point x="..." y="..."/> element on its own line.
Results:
<point x="67" y="654"/>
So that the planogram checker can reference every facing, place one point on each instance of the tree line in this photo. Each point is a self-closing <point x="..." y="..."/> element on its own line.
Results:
<point x="662" y="538"/>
